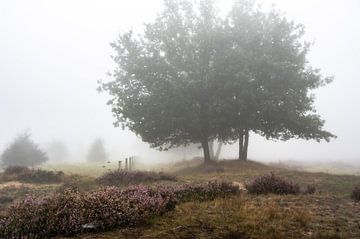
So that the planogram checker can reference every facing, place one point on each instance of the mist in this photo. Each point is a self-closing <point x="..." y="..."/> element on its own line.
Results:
<point x="52" y="54"/>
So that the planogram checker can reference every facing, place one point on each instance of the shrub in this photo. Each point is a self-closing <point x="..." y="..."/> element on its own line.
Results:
<point x="69" y="213"/>
<point x="16" y="170"/>
<point x="121" y="178"/>
<point x="310" y="189"/>
<point x="77" y="183"/>
<point x="211" y="168"/>
<point x="25" y="174"/>
<point x="272" y="184"/>
<point x="5" y="199"/>
<point x="356" y="193"/>
<point x="205" y="191"/>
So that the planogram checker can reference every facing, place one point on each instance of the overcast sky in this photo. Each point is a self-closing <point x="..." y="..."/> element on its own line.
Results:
<point x="52" y="53"/>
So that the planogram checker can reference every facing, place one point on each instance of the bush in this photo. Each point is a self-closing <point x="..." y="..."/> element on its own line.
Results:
<point x="272" y="184"/>
<point x="5" y="199"/>
<point x="121" y="178"/>
<point x="356" y="193"/>
<point x="211" y="168"/>
<point x="71" y="213"/>
<point x="24" y="174"/>
<point x="16" y="170"/>
<point x="204" y="191"/>
<point x="310" y="189"/>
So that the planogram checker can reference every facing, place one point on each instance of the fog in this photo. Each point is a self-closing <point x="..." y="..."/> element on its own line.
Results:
<point x="52" y="53"/>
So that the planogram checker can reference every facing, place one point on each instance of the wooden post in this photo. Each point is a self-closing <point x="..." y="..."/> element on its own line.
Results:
<point x="119" y="165"/>
<point x="130" y="164"/>
<point x="126" y="164"/>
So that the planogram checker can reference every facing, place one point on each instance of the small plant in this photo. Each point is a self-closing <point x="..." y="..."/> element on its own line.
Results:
<point x="272" y="183"/>
<point x="310" y="189"/>
<point x="356" y="193"/>
<point x="211" y="168"/>
<point x="204" y="191"/>
<point x="121" y="178"/>
<point x="5" y="199"/>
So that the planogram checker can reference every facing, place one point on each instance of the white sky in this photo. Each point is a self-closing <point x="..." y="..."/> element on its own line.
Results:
<point x="52" y="53"/>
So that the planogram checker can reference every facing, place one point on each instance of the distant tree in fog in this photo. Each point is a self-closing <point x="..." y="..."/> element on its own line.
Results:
<point x="97" y="151"/>
<point x="194" y="77"/>
<point x="23" y="152"/>
<point x="57" y="151"/>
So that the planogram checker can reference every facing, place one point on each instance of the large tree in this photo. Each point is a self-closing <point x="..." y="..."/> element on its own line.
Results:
<point x="194" y="77"/>
<point x="272" y="94"/>
<point x="166" y="79"/>
<point x="23" y="152"/>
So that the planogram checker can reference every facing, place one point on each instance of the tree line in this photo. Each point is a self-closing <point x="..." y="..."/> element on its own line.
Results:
<point x="23" y="151"/>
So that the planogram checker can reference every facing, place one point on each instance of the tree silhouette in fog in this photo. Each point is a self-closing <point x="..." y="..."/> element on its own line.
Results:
<point x="97" y="151"/>
<point x="195" y="77"/>
<point x="23" y="152"/>
<point x="58" y="151"/>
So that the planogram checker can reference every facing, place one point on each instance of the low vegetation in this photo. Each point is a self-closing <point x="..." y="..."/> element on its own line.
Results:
<point x="356" y="193"/>
<point x="25" y="174"/>
<point x="205" y="207"/>
<point x="272" y="183"/>
<point x="71" y="213"/>
<point x="121" y="178"/>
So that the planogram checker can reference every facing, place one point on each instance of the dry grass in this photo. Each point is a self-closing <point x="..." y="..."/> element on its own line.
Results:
<point x="305" y="216"/>
<point x="328" y="214"/>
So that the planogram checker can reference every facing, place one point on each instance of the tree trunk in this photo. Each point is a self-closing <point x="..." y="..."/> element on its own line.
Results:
<point x="211" y="149"/>
<point x="246" y="145"/>
<point x="243" y="144"/>
<point x="205" y="146"/>
<point x="218" y="151"/>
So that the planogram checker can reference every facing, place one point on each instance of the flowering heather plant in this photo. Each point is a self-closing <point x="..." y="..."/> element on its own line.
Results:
<point x="272" y="184"/>
<point x="66" y="214"/>
<point x="205" y="191"/>
<point x="121" y="178"/>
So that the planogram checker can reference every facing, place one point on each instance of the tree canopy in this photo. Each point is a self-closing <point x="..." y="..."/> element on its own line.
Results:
<point x="23" y="152"/>
<point x="193" y="76"/>
<point x="97" y="151"/>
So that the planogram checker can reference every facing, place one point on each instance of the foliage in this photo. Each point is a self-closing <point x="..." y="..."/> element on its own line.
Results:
<point x="272" y="183"/>
<point x="310" y="189"/>
<point x="5" y="199"/>
<point x="121" y="178"/>
<point x="193" y="76"/>
<point x="356" y="193"/>
<point x="204" y="191"/>
<point x="25" y="174"/>
<point x="23" y="152"/>
<point x="97" y="151"/>
<point x="68" y="212"/>
<point x="165" y="80"/>
<point x="16" y="170"/>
